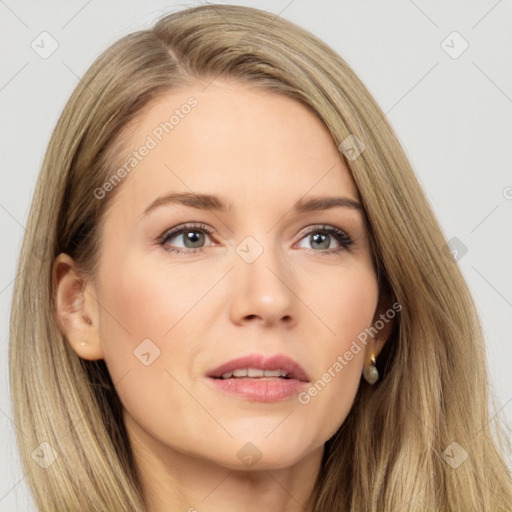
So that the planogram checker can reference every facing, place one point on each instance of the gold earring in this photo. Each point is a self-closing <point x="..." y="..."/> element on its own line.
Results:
<point x="370" y="373"/>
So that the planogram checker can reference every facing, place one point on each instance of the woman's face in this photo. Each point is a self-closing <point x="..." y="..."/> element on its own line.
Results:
<point x="275" y="274"/>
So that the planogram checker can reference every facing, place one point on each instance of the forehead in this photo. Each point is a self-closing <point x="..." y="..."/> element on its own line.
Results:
<point x="246" y="144"/>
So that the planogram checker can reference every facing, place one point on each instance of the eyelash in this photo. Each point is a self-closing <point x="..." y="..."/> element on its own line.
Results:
<point x="344" y="240"/>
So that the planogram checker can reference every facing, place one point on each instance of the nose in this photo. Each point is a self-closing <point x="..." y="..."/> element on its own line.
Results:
<point x="263" y="291"/>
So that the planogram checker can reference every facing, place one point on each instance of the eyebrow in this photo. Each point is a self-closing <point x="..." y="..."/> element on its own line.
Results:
<point x="215" y="203"/>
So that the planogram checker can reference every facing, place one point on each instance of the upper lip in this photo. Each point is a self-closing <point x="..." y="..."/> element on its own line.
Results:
<point x="276" y="362"/>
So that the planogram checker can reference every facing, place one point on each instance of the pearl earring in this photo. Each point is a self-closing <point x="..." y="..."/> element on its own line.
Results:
<point x="370" y="373"/>
<point x="83" y="343"/>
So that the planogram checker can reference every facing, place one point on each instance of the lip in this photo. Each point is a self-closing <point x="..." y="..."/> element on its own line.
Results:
<point x="276" y="362"/>
<point x="262" y="389"/>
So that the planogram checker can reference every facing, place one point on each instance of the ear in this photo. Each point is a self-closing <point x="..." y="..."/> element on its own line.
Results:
<point x="76" y="308"/>
<point x="382" y="325"/>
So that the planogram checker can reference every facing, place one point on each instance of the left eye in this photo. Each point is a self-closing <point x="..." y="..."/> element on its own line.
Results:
<point x="323" y="235"/>
<point x="194" y="238"/>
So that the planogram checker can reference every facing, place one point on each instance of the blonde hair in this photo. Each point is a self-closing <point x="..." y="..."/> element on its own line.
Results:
<point x="388" y="455"/>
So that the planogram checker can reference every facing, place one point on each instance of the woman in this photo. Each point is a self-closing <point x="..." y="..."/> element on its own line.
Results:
<point x="178" y="341"/>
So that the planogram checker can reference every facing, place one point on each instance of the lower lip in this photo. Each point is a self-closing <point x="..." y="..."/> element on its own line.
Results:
<point x="260" y="390"/>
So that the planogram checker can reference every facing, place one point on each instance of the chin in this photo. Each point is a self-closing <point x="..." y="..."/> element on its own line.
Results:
<point x="264" y="454"/>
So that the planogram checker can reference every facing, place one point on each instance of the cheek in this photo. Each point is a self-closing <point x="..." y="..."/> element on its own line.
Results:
<point x="348" y="311"/>
<point x="355" y="307"/>
<point x="349" y="304"/>
<point x="147" y="312"/>
<point x="136" y="311"/>
<point x="144" y="319"/>
<point x="140" y="301"/>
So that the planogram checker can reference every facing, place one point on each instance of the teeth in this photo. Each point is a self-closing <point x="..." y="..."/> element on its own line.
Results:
<point x="254" y="373"/>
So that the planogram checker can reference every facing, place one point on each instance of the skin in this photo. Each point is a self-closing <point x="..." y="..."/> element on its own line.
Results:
<point x="262" y="152"/>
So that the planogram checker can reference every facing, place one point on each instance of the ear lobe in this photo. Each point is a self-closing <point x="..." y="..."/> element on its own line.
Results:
<point x="76" y="308"/>
<point x="383" y="322"/>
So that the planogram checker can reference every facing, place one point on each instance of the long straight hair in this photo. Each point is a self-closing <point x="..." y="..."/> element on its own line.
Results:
<point x="390" y="454"/>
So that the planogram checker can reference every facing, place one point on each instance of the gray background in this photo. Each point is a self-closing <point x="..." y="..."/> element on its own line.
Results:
<point x="452" y="115"/>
